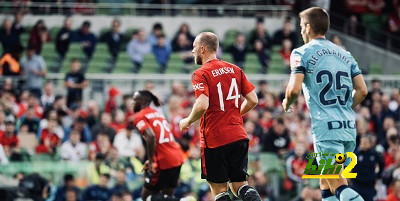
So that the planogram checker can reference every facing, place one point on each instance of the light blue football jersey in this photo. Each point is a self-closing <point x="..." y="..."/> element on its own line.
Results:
<point x="327" y="88"/>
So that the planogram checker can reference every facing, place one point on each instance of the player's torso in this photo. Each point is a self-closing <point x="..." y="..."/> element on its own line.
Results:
<point x="222" y="123"/>
<point x="168" y="153"/>
<point x="328" y="89"/>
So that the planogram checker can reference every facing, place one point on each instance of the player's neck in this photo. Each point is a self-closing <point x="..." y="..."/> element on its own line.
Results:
<point x="209" y="58"/>
<point x="319" y="36"/>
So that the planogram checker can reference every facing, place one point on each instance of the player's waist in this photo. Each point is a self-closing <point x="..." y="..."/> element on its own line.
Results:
<point x="341" y="124"/>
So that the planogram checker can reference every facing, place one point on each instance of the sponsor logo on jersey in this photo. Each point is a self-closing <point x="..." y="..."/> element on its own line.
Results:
<point x="198" y="86"/>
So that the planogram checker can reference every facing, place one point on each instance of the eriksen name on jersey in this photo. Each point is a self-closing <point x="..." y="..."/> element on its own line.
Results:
<point x="222" y="71"/>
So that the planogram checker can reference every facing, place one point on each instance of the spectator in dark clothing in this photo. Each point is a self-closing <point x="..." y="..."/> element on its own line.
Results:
<point x="376" y="88"/>
<point x="277" y="139"/>
<point x="114" y="40"/>
<point x="17" y="28"/>
<point x="63" y="40"/>
<point x="75" y="82"/>
<point x="260" y="34"/>
<point x="30" y="121"/>
<point x="98" y="192"/>
<point x="81" y="126"/>
<point x="38" y="36"/>
<point x="69" y="184"/>
<point x="104" y="126"/>
<point x="262" y="89"/>
<point x="120" y="186"/>
<point x="185" y="30"/>
<point x="9" y="63"/>
<point x="9" y="37"/>
<point x="162" y="53"/>
<point x="71" y="195"/>
<point x="37" y="186"/>
<point x="286" y="33"/>
<point x="239" y="50"/>
<point x="368" y="160"/>
<point x="184" y="48"/>
<point x="88" y="42"/>
<point x="155" y="33"/>
<point x="262" y="55"/>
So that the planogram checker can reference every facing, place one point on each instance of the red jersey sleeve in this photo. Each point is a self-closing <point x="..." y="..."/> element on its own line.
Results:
<point x="200" y="85"/>
<point x="247" y="86"/>
<point x="141" y="123"/>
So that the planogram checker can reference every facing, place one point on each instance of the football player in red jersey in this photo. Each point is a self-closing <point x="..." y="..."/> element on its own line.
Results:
<point x="219" y="86"/>
<point x="164" y="154"/>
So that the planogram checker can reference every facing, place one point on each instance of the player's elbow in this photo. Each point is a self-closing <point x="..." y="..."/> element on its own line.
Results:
<point x="203" y="107"/>
<point x="364" y="92"/>
<point x="253" y="101"/>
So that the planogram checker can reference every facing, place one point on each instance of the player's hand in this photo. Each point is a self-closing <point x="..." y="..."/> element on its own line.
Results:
<point x="285" y="106"/>
<point x="149" y="166"/>
<point x="184" y="124"/>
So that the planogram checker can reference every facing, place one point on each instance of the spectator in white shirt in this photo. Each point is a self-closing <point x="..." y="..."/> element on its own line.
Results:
<point x="73" y="149"/>
<point x="48" y="97"/>
<point x="129" y="143"/>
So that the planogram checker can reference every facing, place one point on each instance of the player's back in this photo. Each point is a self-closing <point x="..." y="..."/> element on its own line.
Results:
<point x="168" y="153"/>
<point x="328" y="88"/>
<point x="224" y="84"/>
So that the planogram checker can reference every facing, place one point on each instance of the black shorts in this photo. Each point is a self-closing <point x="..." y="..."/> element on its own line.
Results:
<point x="162" y="179"/>
<point x="225" y="163"/>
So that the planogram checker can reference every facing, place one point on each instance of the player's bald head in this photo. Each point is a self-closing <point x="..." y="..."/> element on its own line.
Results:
<point x="208" y="40"/>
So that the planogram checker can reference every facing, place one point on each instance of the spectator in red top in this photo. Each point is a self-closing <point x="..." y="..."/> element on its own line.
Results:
<point x="101" y="145"/>
<point x="49" y="139"/>
<point x="111" y="104"/>
<point x="395" y="194"/>
<point x="29" y="122"/>
<point x="250" y="128"/>
<point x="38" y="36"/>
<point x="175" y="110"/>
<point x="394" y="21"/>
<point x="119" y="122"/>
<point x="295" y="165"/>
<point x="375" y="6"/>
<point x="357" y="6"/>
<point x="9" y="138"/>
<point x="393" y="146"/>
<point x="286" y="51"/>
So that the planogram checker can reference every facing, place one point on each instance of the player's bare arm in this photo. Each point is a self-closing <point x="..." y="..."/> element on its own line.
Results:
<point x="250" y="101"/>
<point x="361" y="90"/>
<point x="199" y="109"/>
<point x="151" y="147"/>
<point x="292" y="90"/>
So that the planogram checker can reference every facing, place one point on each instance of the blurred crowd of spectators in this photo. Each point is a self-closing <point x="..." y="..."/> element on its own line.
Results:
<point x="137" y="44"/>
<point x="57" y="125"/>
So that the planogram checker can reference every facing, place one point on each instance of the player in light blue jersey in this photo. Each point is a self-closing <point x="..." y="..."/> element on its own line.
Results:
<point x="328" y="75"/>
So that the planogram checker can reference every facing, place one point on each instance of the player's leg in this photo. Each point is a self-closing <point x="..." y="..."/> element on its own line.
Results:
<point x="340" y="186"/>
<point x="215" y="171"/>
<point x="169" y="180"/>
<point x="326" y="192"/>
<point x="146" y="193"/>
<point x="322" y="147"/>
<point x="237" y="171"/>
<point x="151" y="183"/>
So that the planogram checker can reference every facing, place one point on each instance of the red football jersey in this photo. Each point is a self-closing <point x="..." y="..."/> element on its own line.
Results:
<point x="224" y="84"/>
<point x="168" y="153"/>
<point x="8" y="141"/>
